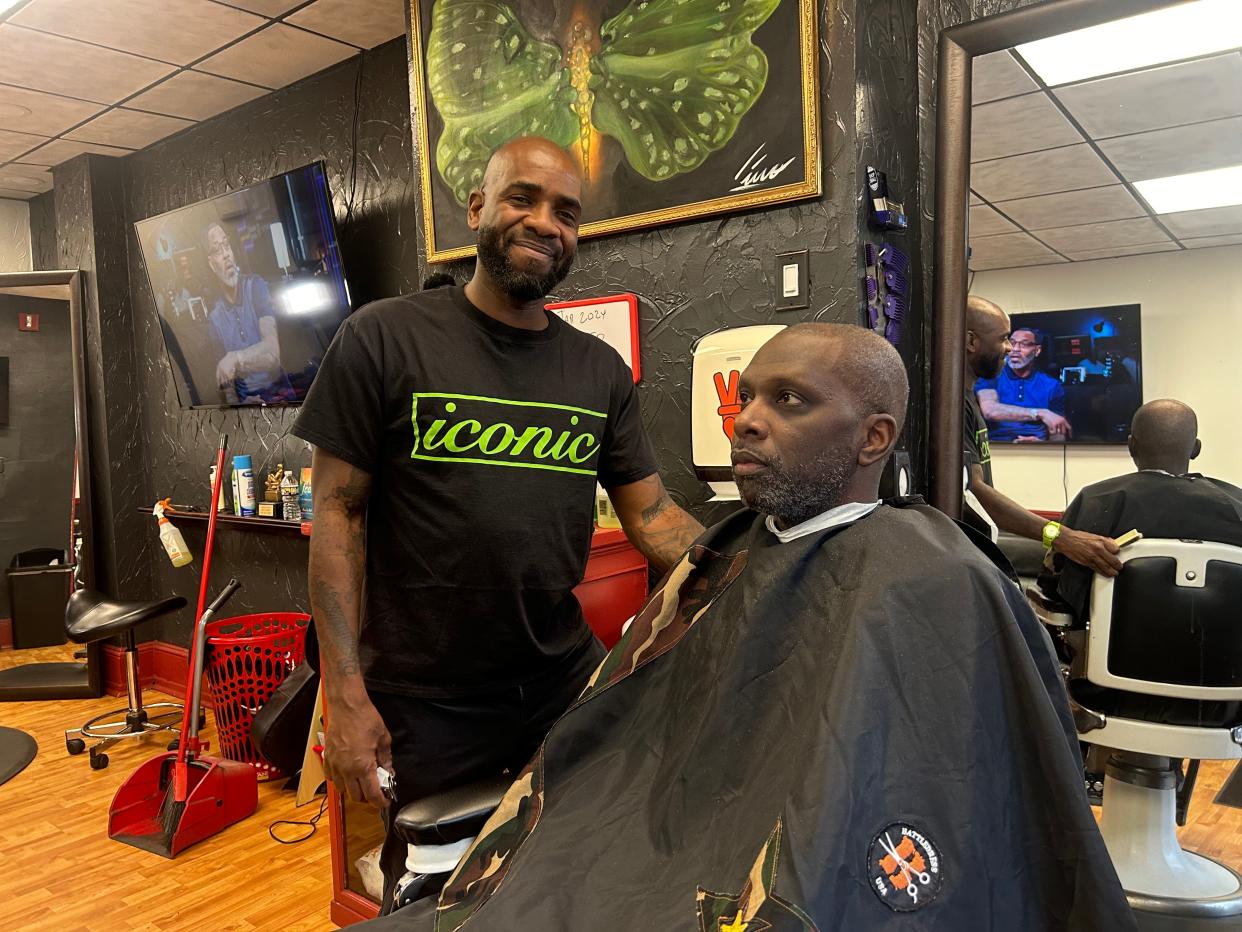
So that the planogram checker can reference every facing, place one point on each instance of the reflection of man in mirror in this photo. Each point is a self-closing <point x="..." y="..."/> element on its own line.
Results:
<point x="243" y="325"/>
<point x="1022" y="403"/>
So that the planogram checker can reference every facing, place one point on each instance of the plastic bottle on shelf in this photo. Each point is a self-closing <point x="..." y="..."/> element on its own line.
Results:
<point x="243" y="486"/>
<point x="170" y="537"/>
<point x="605" y="515"/>
<point x="211" y="484"/>
<point x="290" y="509"/>
<point x="305" y="499"/>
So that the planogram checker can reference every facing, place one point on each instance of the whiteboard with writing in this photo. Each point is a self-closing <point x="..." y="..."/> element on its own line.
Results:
<point x="614" y="319"/>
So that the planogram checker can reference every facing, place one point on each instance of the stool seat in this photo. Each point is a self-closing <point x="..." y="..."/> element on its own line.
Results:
<point x="452" y="815"/>
<point x="92" y="616"/>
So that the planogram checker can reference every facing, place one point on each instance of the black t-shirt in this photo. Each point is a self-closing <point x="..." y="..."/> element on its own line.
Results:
<point x="484" y="443"/>
<point x="975" y="434"/>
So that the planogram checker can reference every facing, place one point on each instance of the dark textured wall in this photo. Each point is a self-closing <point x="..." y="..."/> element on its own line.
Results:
<point x="876" y="60"/>
<point x="43" y="232"/>
<point x="37" y="484"/>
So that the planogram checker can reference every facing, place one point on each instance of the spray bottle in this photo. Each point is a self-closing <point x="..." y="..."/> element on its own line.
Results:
<point x="171" y="538"/>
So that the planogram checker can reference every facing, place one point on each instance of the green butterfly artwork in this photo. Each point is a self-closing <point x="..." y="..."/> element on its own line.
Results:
<point x="674" y="109"/>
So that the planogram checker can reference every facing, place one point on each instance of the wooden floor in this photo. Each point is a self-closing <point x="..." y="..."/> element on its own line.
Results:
<point x="60" y="871"/>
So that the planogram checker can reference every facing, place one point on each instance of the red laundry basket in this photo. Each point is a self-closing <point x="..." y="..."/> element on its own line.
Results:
<point x="247" y="658"/>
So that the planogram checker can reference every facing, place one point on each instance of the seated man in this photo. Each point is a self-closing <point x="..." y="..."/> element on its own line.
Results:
<point x="1163" y="499"/>
<point x="832" y="713"/>
<point x="1022" y="403"/>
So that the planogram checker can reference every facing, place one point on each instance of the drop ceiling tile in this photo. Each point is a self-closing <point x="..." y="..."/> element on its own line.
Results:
<point x="1168" y="96"/>
<point x="75" y="69"/>
<point x="1073" y="207"/>
<point x="1215" y="221"/>
<point x="14" y="144"/>
<point x="1176" y="151"/>
<point x="177" y="31"/>
<point x="1116" y="252"/>
<point x="277" y="56"/>
<point x="1204" y="242"/>
<point x="265" y="7"/>
<point x="364" y="23"/>
<point x="984" y="221"/>
<point x="1088" y="236"/>
<point x="975" y="199"/>
<point x="32" y="178"/>
<point x="132" y="129"/>
<point x="998" y="75"/>
<point x="62" y="150"/>
<point x="1016" y="125"/>
<point x="990" y="264"/>
<point x="15" y="195"/>
<point x="1008" y="247"/>
<point x="42" y="114"/>
<point x="1034" y="173"/>
<point x="194" y="96"/>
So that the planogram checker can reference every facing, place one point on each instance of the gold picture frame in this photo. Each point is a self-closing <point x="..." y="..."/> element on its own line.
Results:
<point x="659" y="202"/>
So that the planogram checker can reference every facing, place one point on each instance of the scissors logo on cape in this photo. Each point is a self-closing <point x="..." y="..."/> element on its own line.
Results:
<point x="904" y="868"/>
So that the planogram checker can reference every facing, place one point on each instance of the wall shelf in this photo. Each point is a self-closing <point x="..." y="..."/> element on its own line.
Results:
<point x="249" y="523"/>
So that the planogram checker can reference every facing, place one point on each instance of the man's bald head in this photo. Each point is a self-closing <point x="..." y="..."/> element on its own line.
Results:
<point x="516" y="154"/>
<point x="1164" y="435"/>
<point x="987" y="337"/>
<point x="865" y="362"/>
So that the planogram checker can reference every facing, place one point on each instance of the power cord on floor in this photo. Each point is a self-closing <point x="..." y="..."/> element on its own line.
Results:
<point x="313" y="822"/>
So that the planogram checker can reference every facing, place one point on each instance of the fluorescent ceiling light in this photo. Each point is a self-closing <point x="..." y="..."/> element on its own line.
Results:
<point x="1171" y="34"/>
<point x="8" y="4"/>
<point x="1221" y="187"/>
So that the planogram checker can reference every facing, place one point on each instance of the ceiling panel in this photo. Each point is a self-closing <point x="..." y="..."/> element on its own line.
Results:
<point x="32" y="178"/>
<point x="42" y="114"/>
<point x="14" y="144"/>
<point x="265" y="7"/>
<point x="62" y="150"/>
<point x="195" y="96"/>
<point x="177" y="31"/>
<point x="1168" y="96"/>
<point x="277" y="56"/>
<point x="984" y="221"/>
<point x="1016" y="125"/>
<point x="1203" y="242"/>
<point x="1177" y="151"/>
<point x="75" y="69"/>
<point x="984" y="265"/>
<point x="1040" y="173"/>
<point x="132" y="129"/>
<point x="1009" y="247"/>
<point x="1216" y="221"/>
<point x="1093" y="236"/>
<point x="998" y="75"/>
<point x="975" y="199"/>
<point x="1112" y="252"/>
<point x="364" y="23"/>
<point x="1093" y="205"/>
<point x="14" y="195"/>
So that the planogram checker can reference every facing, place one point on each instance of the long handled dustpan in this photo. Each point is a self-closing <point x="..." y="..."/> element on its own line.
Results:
<point x="179" y="798"/>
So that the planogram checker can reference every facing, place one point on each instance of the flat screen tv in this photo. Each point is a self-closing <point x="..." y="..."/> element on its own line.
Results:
<point x="249" y="289"/>
<point x="1084" y="364"/>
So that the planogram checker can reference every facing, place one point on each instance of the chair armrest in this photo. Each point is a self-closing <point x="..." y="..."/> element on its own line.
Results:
<point x="450" y="816"/>
<point x="1051" y="611"/>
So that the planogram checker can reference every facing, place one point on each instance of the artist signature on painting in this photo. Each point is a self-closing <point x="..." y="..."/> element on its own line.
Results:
<point x="754" y="172"/>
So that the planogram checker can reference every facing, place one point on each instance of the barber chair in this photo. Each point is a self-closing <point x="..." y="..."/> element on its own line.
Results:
<point x="439" y="830"/>
<point x="90" y="617"/>
<point x="1167" y="628"/>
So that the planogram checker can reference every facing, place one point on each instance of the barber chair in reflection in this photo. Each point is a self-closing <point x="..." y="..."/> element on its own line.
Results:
<point x="1163" y="681"/>
<point x="89" y="617"/>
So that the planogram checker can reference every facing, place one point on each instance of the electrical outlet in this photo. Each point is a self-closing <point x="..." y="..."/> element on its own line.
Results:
<point x="793" y="280"/>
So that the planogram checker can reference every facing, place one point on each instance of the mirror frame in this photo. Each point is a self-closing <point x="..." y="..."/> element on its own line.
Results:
<point x="959" y="46"/>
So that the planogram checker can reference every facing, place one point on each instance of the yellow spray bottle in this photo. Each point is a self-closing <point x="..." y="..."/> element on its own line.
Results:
<point x="171" y="538"/>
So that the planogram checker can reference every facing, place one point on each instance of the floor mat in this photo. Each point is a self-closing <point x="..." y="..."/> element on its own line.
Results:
<point x="17" y="749"/>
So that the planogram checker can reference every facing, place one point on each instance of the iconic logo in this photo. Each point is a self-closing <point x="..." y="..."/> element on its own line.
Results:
<point x="730" y="406"/>
<point x="757" y="908"/>
<point x="499" y="432"/>
<point x="904" y="868"/>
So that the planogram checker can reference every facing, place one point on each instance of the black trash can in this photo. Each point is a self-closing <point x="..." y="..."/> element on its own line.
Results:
<point x="38" y="592"/>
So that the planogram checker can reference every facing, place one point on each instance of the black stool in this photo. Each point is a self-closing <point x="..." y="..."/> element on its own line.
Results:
<point x="91" y="616"/>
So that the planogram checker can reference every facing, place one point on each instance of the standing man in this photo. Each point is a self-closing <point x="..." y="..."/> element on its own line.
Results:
<point x="1022" y="403"/>
<point x="987" y="345"/>
<point x="459" y="434"/>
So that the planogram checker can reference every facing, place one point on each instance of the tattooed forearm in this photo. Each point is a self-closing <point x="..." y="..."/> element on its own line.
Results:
<point x="654" y="524"/>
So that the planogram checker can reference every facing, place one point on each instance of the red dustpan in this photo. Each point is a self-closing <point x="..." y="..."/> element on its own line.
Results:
<point x="181" y="797"/>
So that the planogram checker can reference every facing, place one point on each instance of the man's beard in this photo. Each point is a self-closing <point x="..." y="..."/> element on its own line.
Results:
<point x="798" y="493"/>
<point x="990" y="366"/>
<point x="229" y="278"/>
<point x="522" y="286"/>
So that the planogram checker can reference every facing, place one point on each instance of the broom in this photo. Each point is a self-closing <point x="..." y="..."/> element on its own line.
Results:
<point x="178" y="789"/>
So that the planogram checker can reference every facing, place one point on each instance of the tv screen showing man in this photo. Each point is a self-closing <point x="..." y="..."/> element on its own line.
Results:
<point x="1021" y="389"/>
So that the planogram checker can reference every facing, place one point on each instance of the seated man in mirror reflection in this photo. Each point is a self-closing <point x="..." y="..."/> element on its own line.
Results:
<point x="1022" y="403"/>
<point x="243" y="327"/>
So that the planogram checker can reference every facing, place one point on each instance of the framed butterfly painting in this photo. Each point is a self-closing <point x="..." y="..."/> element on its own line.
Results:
<point x="675" y="109"/>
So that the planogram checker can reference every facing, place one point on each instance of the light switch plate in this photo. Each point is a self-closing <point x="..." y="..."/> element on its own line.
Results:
<point x="792" y="280"/>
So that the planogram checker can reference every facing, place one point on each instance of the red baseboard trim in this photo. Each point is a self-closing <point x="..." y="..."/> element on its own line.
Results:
<point x="6" y="633"/>
<point x="161" y="666"/>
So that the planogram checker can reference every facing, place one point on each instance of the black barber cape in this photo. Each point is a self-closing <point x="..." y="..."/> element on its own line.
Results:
<point x="862" y="729"/>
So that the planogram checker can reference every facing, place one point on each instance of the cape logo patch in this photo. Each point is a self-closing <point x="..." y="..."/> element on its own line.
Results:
<point x="904" y="867"/>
